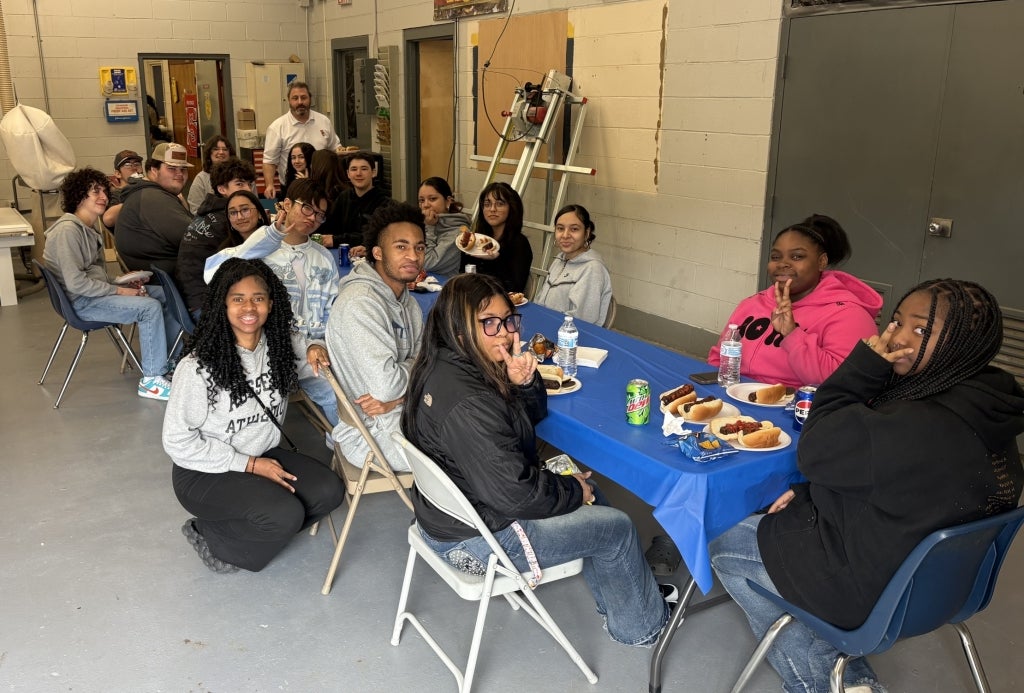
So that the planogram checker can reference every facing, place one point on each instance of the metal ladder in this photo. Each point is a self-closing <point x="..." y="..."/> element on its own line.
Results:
<point x="531" y="119"/>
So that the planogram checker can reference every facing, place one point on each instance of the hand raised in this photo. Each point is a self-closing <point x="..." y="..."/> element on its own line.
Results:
<point x="880" y="345"/>
<point x="520" y="366"/>
<point x="782" y="315"/>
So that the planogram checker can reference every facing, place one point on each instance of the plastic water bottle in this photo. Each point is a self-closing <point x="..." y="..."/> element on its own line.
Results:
<point x="568" y="336"/>
<point x="730" y="352"/>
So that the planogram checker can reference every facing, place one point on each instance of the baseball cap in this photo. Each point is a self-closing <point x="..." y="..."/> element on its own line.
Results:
<point x="173" y="154"/>
<point x="124" y="156"/>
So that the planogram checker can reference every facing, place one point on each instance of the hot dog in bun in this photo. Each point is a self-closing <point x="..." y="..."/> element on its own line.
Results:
<point x="768" y="395"/>
<point x="701" y="409"/>
<point x="467" y="239"/>
<point x="730" y="427"/>
<point x="764" y="438"/>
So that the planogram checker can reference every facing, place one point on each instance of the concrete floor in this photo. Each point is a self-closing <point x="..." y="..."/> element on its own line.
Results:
<point x="100" y="591"/>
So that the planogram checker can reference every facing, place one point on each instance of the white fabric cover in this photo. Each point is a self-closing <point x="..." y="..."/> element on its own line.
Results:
<point x="38" y="150"/>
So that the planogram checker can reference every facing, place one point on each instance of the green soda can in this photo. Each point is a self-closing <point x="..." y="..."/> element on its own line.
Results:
<point x="638" y="402"/>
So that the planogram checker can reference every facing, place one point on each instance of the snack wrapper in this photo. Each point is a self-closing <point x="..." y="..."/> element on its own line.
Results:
<point x="703" y="446"/>
<point x="561" y="464"/>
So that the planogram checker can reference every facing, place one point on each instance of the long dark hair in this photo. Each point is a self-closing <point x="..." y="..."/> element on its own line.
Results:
<point x="451" y="324"/>
<point x="444" y="190"/>
<point x="208" y="150"/>
<point x="325" y="168"/>
<point x="971" y="335"/>
<point x="234" y="237"/>
<point x="507" y="194"/>
<point x="307" y="152"/>
<point x="213" y="342"/>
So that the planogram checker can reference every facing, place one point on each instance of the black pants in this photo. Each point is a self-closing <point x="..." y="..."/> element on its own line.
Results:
<point x="247" y="519"/>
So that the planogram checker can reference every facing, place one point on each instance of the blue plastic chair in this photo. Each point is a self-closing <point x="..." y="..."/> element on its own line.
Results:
<point x="181" y="313"/>
<point x="947" y="578"/>
<point x="62" y="304"/>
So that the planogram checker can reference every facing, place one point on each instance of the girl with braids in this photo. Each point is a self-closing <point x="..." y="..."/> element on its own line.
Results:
<point x="914" y="432"/>
<point x="472" y="403"/>
<point x="798" y="330"/>
<point x="222" y="426"/>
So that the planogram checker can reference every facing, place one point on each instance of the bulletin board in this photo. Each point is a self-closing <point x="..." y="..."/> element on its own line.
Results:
<point x="530" y="46"/>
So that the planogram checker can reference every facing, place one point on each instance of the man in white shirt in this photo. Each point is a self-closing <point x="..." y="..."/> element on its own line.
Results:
<point x="300" y="124"/>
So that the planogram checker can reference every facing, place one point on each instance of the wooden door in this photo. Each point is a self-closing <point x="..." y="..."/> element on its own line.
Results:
<point x="182" y="74"/>
<point x="436" y="109"/>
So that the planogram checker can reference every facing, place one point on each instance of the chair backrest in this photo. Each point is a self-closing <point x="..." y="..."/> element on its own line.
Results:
<point x="947" y="578"/>
<point x="172" y="294"/>
<point x="609" y="318"/>
<point x="438" y="488"/>
<point x="62" y="303"/>
<point x="347" y="415"/>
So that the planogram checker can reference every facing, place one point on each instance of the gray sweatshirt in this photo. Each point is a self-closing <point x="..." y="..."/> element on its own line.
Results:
<point x="218" y="438"/>
<point x="373" y="339"/>
<point x="442" y="255"/>
<point x="74" y="252"/>
<point x="580" y="287"/>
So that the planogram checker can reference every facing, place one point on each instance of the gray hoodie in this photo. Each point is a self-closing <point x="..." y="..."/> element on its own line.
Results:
<point x="442" y="255"/>
<point x="580" y="287"/>
<point x="373" y="339"/>
<point x="74" y="252"/>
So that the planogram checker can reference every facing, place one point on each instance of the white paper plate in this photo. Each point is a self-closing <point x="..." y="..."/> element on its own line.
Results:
<point x="475" y="250"/>
<point x="566" y="390"/>
<point x="784" y="441"/>
<point x="741" y="393"/>
<point x="137" y="275"/>
<point x="522" y="303"/>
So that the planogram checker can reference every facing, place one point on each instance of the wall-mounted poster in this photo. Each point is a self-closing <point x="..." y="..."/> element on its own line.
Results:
<point x="446" y="10"/>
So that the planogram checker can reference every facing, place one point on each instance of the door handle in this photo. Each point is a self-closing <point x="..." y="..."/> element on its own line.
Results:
<point x="940" y="228"/>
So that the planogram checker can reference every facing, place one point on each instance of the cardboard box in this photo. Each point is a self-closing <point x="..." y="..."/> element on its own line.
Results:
<point x="246" y="119"/>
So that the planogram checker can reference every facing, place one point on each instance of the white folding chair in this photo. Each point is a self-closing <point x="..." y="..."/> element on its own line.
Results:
<point x="501" y="577"/>
<point x="375" y="476"/>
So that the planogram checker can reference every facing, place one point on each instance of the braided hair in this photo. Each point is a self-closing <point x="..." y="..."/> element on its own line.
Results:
<point x="213" y="342"/>
<point x="970" y="337"/>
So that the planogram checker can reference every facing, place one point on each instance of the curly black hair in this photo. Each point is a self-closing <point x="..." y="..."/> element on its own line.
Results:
<point x="213" y="341"/>
<point x="76" y="185"/>
<point x="391" y="212"/>
<point x="226" y="171"/>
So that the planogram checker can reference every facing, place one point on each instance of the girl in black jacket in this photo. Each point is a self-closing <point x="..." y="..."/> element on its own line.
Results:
<point x="472" y="402"/>
<point x="914" y="432"/>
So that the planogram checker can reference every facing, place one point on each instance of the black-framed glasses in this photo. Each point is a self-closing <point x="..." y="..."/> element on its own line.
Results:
<point x="492" y="326"/>
<point x="311" y="211"/>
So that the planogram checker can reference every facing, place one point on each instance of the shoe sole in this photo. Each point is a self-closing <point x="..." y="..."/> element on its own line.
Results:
<point x="198" y="543"/>
<point x="146" y="394"/>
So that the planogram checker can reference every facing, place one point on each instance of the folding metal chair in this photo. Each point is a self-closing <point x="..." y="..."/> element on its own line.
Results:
<point x="502" y="578"/>
<point x="947" y="578"/>
<point x="62" y="304"/>
<point x="178" y="307"/>
<point x="375" y="476"/>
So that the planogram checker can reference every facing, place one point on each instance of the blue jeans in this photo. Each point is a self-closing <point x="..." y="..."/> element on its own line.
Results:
<point x="157" y="326"/>
<point x="613" y="565"/>
<point x="321" y="392"/>
<point x="802" y="659"/>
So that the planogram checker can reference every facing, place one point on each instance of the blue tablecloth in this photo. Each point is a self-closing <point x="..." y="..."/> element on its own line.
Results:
<point x="693" y="502"/>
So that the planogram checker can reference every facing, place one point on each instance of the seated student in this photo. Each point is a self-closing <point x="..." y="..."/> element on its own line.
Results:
<point x="373" y="334"/>
<point x="308" y="270"/>
<point x="577" y="281"/>
<point x="444" y="220"/>
<point x="74" y="253"/>
<point x="127" y="167"/>
<point x="207" y="232"/>
<point x="216" y="150"/>
<point x="501" y="218"/>
<point x="353" y="207"/>
<point x="222" y="426"/>
<point x="913" y="433"/>
<point x="472" y="403"/>
<point x="300" y="157"/>
<point x="799" y="329"/>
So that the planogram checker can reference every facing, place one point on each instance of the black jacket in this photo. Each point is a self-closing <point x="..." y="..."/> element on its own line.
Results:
<point x="880" y="480"/>
<point x="487" y="446"/>
<point x="203" y="237"/>
<point x="511" y="267"/>
<point x="150" y="227"/>
<point x="349" y="214"/>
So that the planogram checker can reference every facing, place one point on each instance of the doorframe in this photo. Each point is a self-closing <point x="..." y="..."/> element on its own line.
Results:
<point x="339" y="46"/>
<point x="412" y="38"/>
<point x="225" y="93"/>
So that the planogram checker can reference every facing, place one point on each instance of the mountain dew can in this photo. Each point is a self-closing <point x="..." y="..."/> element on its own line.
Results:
<point x="638" y="402"/>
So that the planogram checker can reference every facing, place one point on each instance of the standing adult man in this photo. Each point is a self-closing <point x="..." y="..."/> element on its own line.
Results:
<point x="299" y="124"/>
<point x="153" y="216"/>
<point x="373" y="334"/>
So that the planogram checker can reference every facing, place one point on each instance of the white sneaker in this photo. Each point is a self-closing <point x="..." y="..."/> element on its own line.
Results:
<point x="858" y="689"/>
<point x="329" y="441"/>
<point x="155" y="387"/>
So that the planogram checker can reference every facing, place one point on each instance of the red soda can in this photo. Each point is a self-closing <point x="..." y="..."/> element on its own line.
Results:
<point x="638" y="402"/>
<point x="802" y="408"/>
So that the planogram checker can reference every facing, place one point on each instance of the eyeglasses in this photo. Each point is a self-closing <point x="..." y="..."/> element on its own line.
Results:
<point x="137" y="165"/>
<point x="311" y="211"/>
<point x="241" y="212"/>
<point x="495" y="204"/>
<point x="493" y="325"/>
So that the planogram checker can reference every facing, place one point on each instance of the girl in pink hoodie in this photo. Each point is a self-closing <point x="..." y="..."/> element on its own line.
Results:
<point x="799" y="329"/>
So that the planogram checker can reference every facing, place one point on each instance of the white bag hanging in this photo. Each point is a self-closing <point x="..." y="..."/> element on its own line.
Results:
<point x="38" y="150"/>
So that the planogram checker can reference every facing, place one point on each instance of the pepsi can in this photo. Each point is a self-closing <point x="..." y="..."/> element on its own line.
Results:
<point x="343" y="260"/>
<point x="802" y="407"/>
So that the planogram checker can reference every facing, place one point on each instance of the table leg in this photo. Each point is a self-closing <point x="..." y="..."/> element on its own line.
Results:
<point x="682" y="610"/>
<point x="8" y="290"/>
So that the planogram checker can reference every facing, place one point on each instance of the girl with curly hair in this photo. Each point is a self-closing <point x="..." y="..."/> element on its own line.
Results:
<point x="74" y="252"/>
<point x="222" y="426"/>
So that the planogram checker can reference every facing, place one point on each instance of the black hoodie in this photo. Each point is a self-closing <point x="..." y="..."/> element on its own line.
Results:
<point x="203" y="237"/>
<point x="880" y="480"/>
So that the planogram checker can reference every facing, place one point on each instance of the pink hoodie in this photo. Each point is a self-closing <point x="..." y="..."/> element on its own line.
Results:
<point x="840" y="310"/>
